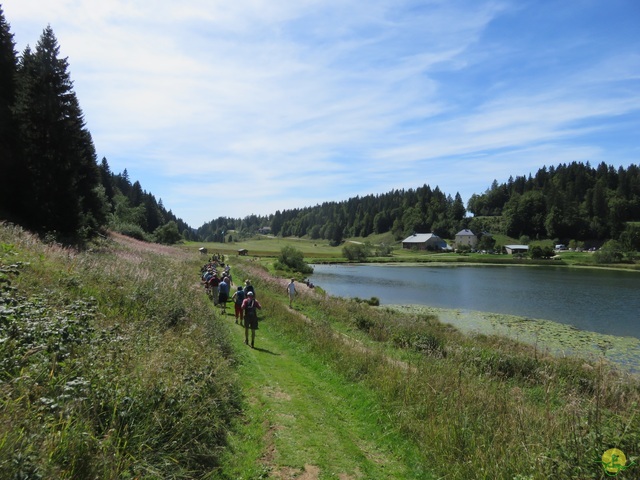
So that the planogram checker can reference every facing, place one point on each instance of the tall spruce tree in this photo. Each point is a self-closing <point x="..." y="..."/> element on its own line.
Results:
<point x="9" y="156"/>
<point x="58" y="184"/>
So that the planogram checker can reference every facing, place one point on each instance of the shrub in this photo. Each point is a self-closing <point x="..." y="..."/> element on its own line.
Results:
<point x="373" y="301"/>
<point x="130" y="230"/>
<point x="168" y="233"/>
<point x="428" y="344"/>
<point x="356" y="252"/>
<point x="383" y="250"/>
<point x="363" y="322"/>
<point x="420" y="341"/>
<point x="292" y="259"/>
<point x="611" y="252"/>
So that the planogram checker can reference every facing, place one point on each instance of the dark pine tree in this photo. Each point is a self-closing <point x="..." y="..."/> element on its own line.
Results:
<point x="106" y="177"/>
<point x="58" y="191"/>
<point x="9" y="157"/>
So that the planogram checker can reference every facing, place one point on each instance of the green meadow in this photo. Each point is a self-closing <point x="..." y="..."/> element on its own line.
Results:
<point x="117" y="365"/>
<point x="318" y="251"/>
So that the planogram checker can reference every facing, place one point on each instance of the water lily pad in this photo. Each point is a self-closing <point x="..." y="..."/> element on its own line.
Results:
<point x="554" y="337"/>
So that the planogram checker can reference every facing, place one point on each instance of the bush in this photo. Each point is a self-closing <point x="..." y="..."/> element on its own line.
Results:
<point x="420" y="341"/>
<point x="293" y="259"/>
<point x="130" y="230"/>
<point x="373" y="301"/>
<point x="463" y="249"/>
<point x="356" y="252"/>
<point x="383" y="250"/>
<point x="363" y="322"/>
<point x="168" y="233"/>
<point x="538" y="252"/>
<point x="611" y="252"/>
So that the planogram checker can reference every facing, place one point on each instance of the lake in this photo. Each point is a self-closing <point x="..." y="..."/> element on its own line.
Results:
<point x="602" y="301"/>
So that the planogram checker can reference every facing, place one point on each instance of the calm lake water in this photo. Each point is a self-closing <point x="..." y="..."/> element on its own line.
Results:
<point x="603" y="301"/>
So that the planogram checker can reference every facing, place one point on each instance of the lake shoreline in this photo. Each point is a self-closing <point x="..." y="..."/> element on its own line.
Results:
<point x="555" y="338"/>
<point x="457" y="263"/>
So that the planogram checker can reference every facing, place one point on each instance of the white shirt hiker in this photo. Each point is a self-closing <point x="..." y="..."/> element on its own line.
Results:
<point x="291" y="290"/>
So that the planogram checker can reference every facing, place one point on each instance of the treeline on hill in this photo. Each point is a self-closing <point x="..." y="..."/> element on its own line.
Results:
<point x="567" y="202"/>
<point x="401" y="212"/>
<point x="136" y="213"/>
<point x="573" y="201"/>
<point x="51" y="182"/>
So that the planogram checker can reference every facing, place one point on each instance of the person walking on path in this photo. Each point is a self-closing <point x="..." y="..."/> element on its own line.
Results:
<point x="291" y="290"/>
<point x="214" y="283"/>
<point x="248" y="287"/>
<point x="238" y="298"/>
<point x="223" y="294"/>
<point x="250" y="306"/>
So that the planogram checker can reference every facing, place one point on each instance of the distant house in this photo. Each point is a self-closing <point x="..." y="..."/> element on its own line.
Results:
<point x="264" y="230"/>
<point x="243" y="252"/>
<point x="424" y="241"/>
<point x="466" y="237"/>
<point x="511" y="249"/>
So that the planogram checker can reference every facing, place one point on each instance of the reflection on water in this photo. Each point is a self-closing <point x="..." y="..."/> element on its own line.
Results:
<point x="604" y="301"/>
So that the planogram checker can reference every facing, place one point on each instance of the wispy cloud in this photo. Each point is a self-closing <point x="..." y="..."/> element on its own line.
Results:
<point x="232" y="108"/>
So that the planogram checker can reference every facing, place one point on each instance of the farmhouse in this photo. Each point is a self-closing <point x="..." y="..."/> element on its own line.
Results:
<point x="466" y="237"/>
<point x="243" y="252"/>
<point x="424" y="241"/>
<point x="512" y="249"/>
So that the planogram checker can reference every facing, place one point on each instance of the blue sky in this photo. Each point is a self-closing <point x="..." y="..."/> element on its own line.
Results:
<point x="224" y="108"/>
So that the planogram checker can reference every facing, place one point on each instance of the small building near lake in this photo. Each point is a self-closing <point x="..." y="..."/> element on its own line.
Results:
<point x="513" y="249"/>
<point x="424" y="241"/>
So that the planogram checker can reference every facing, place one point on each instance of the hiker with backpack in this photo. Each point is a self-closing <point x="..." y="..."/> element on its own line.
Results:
<point x="223" y="294"/>
<point x="238" y="298"/>
<point x="250" y="306"/>
<point x="248" y="287"/>
<point x="213" y="283"/>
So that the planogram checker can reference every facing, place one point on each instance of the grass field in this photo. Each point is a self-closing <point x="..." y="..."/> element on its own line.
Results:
<point x="116" y="365"/>
<point x="317" y="251"/>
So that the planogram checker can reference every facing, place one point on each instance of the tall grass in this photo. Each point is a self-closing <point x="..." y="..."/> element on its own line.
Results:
<point x="113" y="367"/>
<point x="482" y="407"/>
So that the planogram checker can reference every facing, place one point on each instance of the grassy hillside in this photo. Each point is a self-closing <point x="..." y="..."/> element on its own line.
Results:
<point x="116" y="365"/>
<point x="113" y="365"/>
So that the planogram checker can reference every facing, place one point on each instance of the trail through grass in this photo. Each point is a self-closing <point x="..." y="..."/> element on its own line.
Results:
<point x="115" y="366"/>
<point x="304" y="421"/>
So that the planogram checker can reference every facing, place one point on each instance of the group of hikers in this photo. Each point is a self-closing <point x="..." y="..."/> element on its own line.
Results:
<point x="217" y="281"/>
<point x="218" y="287"/>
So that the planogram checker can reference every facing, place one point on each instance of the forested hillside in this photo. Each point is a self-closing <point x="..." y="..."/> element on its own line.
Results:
<point x="568" y="201"/>
<point x="51" y="182"/>
<point x="137" y="213"/>
<point x="574" y="201"/>
<point x="400" y="211"/>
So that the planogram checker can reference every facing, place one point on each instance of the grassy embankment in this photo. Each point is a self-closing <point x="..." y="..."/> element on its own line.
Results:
<point x="504" y="407"/>
<point x="113" y="365"/>
<point x="477" y="407"/>
<point x="144" y="382"/>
